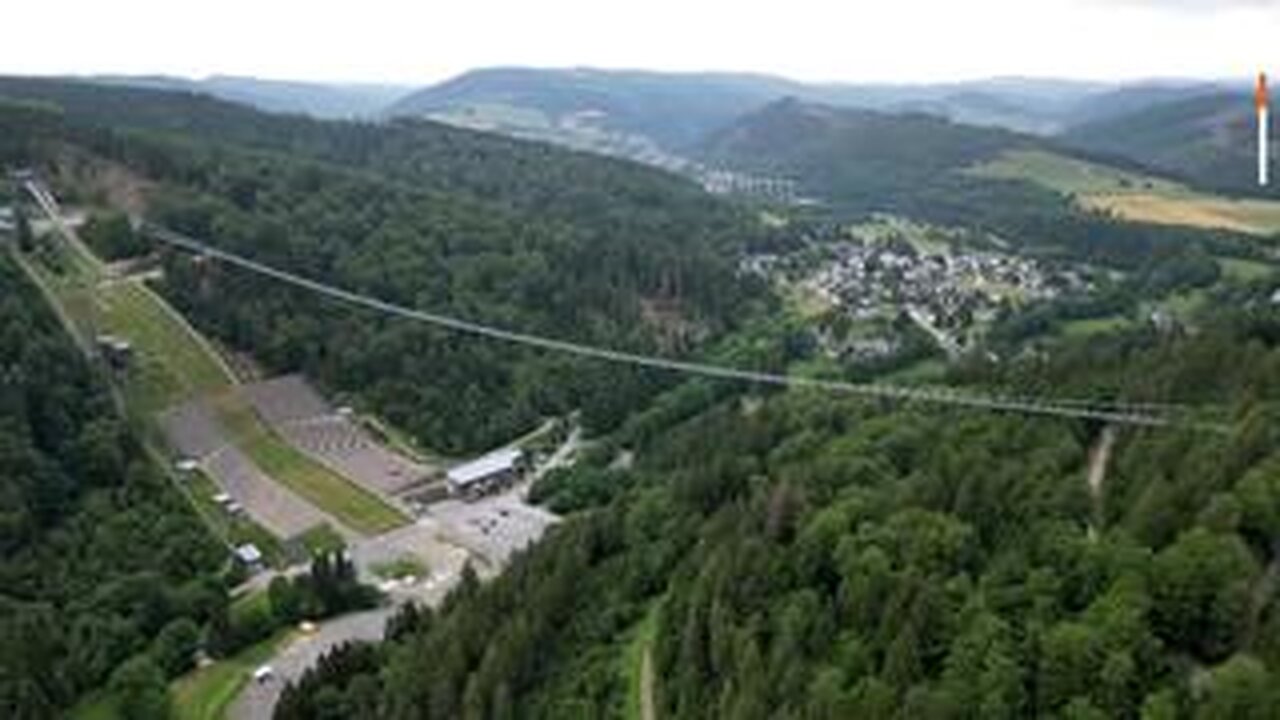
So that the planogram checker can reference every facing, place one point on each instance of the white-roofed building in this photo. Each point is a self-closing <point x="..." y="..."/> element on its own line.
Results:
<point x="250" y="555"/>
<point x="487" y="473"/>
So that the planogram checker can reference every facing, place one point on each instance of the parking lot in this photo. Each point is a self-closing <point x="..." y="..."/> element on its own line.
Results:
<point x="493" y="527"/>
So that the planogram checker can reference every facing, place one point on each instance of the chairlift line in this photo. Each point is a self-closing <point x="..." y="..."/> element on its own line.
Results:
<point x="1078" y="410"/>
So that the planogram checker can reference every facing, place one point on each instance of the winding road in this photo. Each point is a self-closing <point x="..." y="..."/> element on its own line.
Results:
<point x="257" y="701"/>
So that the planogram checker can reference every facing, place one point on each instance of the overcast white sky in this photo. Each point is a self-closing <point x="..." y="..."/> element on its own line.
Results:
<point x="853" y="40"/>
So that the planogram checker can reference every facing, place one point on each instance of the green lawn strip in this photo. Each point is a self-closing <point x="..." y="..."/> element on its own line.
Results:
<point x="134" y="313"/>
<point x="642" y="636"/>
<point x="403" y="566"/>
<point x="173" y="356"/>
<point x="1070" y="175"/>
<point x="206" y="693"/>
<point x="347" y="502"/>
<point x="249" y="605"/>
<point x="70" y="300"/>
<point x="152" y="386"/>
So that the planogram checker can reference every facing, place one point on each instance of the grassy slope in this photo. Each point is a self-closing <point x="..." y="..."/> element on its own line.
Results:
<point x="176" y="364"/>
<point x="350" y="504"/>
<point x="184" y="368"/>
<point x="1134" y="196"/>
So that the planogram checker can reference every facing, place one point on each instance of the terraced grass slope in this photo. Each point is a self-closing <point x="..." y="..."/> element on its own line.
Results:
<point x="174" y="363"/>
<point x="351" y="505"/>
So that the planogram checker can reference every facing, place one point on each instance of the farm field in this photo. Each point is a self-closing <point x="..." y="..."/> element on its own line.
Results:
<point x="1134" y="196"/>
<point x="1253" y="217"/>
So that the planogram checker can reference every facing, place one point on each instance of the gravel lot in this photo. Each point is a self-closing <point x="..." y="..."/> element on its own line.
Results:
<point x="493" y="527"/>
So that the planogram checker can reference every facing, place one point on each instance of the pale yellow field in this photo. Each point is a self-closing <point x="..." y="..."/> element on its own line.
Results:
<point x="1255" y="217"/>
<point x="1133" y="196"/>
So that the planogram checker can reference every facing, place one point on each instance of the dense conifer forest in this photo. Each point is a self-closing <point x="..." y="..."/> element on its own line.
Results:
<point x="103" y="561"/>
<point x="803" y="556"/>
<point x="766" y="554"/>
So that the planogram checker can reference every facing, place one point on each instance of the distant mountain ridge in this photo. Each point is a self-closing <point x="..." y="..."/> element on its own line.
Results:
<point x="1198" y="131"/>
<point x="321" y="100"/>
<point x="673" y="110"/>
<point x="678" y="110"/>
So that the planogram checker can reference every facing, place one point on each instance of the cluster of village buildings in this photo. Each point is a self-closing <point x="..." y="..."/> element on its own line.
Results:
<point x="949" y="293"/>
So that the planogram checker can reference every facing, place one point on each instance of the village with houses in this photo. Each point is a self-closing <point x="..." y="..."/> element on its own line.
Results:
<point x="858" y="283"/>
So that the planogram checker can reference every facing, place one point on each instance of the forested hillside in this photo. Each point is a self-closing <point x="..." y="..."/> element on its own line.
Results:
<point x="322" y="100"/>
<point x="852" y="158"/>
<point x="1207" y="139"/>
<point x="808" y="557"/>
<point x="516" y="234"/>
<point x="101" y="560"/>
<point x="674" y="110"/>
<point x="765" y="554"/>
<point x="853" y="162"/>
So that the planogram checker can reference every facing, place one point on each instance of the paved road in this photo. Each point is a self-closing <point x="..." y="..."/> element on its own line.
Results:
<point x="945" y="341"/>
<point x="491" y="528"/>
<point x="258" y="700"/>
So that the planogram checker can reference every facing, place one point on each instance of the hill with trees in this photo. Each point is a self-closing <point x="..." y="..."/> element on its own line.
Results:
<point x="483" y="227"/>
<point x="106" y="573"/>
<point x="801" y="556"/>
<point x="677" y="111"/>
<point x="321" y="100"/>
<point x="1207" y="139"/>
<point x="853" y="162"/>
<point x="852" y="158"/>
<point x="784" y="554"/>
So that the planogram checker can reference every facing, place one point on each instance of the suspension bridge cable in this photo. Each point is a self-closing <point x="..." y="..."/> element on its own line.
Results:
<point x="940" y="396"/>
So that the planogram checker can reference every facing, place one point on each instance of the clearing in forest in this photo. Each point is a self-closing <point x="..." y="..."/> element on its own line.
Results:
<point x="174" y="364"/>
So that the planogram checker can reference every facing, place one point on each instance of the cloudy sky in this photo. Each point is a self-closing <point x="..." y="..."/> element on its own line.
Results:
<point x="418" y="41"/>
